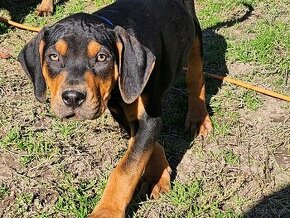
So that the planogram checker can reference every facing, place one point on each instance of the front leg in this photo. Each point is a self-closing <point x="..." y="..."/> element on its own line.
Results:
<point x="156" y="176"/>
<point x="125" y="177"/>
<point x="197" y="118"/>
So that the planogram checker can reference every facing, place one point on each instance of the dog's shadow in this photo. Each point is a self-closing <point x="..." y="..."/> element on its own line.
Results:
<point x="274" y="205"/>
<point x="173" y="137"/>
<point x="19" y="9"/>
<point x="215" y="47"/>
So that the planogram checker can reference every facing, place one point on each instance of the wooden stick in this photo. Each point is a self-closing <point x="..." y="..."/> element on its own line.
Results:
<point x="18" y="25"/>
<point x="249" y="86"/>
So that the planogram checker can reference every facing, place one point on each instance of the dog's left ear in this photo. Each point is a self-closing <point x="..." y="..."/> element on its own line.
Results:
<point x="136" y="63"/>
<point x="30" y="58"/>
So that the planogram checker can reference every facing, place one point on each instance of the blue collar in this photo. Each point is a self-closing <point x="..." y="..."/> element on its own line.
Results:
<point x="107" y="21"/>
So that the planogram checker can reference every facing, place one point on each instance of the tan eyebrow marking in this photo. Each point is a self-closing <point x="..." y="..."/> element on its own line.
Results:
<point x="93" y="48"/>
<point x="61" y="46"/>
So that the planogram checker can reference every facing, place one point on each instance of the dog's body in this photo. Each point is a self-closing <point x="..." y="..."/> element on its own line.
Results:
<point x="123" y="57"/>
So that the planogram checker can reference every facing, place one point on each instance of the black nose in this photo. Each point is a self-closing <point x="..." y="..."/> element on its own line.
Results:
<point x="73" y="98"/>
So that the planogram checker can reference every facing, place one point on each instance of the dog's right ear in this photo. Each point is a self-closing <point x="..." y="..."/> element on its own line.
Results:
<point x="30" y="58"/>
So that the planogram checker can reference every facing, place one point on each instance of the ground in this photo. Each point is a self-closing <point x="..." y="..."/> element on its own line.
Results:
<point x="51" y="168"/>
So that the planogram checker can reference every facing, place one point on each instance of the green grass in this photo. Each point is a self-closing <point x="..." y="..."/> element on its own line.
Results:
<point x="63" y="10"/>
<point x="210" y="15"/>
<point x="66" y="129"/>
<point x="36" y="145"/>
<point x="230" y="158"/>
<point x="23" y="202"/>
<point x="4" y="191"/>
<point x="188" y="200"/>
<point x="251" y="100"/>
<point x="270" y="46"/>
<point x="101" y="3"/>
<point x="78" y="199"/>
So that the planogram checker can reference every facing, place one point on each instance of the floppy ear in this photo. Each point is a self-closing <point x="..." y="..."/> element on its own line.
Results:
<point x="30" y="58"/>
<point x="136" y="63"/>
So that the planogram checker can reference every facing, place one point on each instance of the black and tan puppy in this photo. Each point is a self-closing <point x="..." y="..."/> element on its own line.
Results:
<point x="123" y="57"/>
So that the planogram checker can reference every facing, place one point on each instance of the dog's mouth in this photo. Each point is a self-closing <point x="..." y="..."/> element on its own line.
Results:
<point x="70" y="116"/>
<point x="86" y="111"/>
<point x="80" y="115"/>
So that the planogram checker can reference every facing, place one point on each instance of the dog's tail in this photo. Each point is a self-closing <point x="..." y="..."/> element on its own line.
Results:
<point x="235" y="20"/>
<point x="228" y="23"/>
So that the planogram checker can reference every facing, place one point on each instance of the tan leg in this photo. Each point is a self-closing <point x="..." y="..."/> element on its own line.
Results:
<point x="121" y="184"/>
<point x="156" y="177"/>
<point x="125" y="177"/>
<point x="45" y="8"/>
<point x="197" y="119"/>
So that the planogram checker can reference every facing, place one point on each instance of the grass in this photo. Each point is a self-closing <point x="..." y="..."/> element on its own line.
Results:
<point x="4" y="191"/>
<point x="251" y="100"/>
<point x="230" y="158"/>
<point x="269" y="47"/>
<point x="34" y="145"/>
<point x="52" y="168"/>
<point x="77" y="199"/>
<point x="23" y="203"/>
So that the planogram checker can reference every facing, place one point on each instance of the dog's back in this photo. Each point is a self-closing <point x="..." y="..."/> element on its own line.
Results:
<point x="171" y="31"/>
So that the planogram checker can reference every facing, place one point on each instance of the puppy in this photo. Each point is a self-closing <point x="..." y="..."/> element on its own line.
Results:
<point x="123" y="57"/>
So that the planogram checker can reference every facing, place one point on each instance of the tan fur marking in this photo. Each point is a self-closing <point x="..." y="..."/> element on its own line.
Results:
<point x="197" y="115"/>
<point x="194" y="76"/>
<point x="97" y="86"/>
<point x="61" y="46"/>
<point x="157" y="173"/>
<point x="93" y="48"/>
<point x="94" y="82"/>
<point x="90" y="81"/>
<point x="121" y="184"/>
<point x="53" y="84"/>
<point x="135" y="110"/>
<point x="119" y="46"/>
<point x="41" y="48"/>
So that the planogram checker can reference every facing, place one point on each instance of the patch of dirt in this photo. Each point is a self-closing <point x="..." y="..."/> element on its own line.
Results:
<point x="10" y="165"/>
<point x="240" y="69"/>
<point x="261" y="143"/>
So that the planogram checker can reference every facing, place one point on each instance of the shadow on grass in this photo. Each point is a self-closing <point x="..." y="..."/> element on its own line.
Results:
<point x="19" y="9"/>
<point x="173" y="137"/>
<point x="215" y="48"/>
<point x="274" y="205"/>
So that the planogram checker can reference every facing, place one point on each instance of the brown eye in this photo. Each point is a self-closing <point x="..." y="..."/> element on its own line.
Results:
<point x="53" y="57"/>
<point x="101" y="57"/>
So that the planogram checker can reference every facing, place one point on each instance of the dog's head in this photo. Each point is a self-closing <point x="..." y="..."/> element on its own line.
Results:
<point x="81" y="61"/>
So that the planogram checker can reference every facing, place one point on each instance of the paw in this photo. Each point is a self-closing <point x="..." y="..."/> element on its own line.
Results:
<point x="197" y="126"/>
<point x="161" y="186"/>
<point x="106" y="213"/>
<point x="205" y="127"/>
<point x="45" y="8"/>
